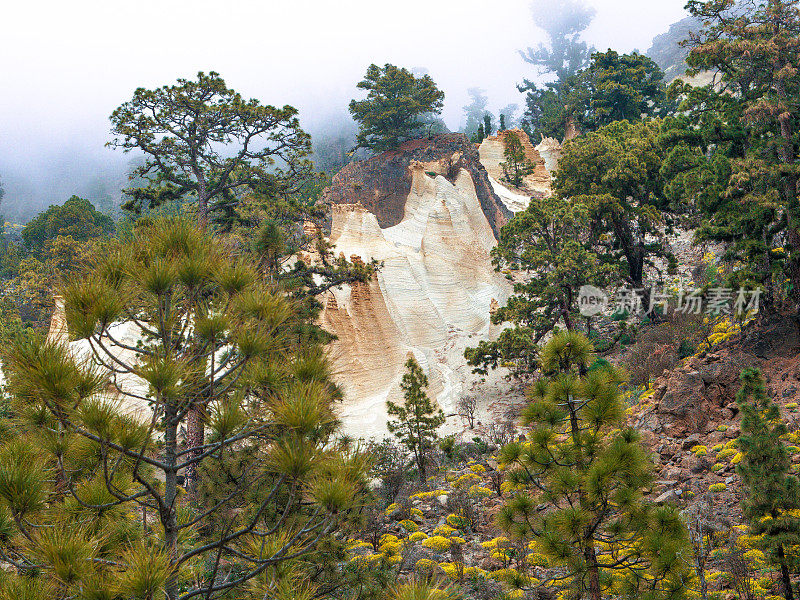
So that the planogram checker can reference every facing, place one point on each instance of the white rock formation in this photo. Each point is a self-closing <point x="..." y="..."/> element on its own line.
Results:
<point x="431" y="298"/>
<point x="491" y="152"/>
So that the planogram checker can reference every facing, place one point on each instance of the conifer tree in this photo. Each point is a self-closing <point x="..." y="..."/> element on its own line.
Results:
<point x="90" y="499"/>
<point x="735" y="144"/>
<point x="395" y="105"/>
<point x="487" y="125"/>
<point x="417" y="420"/>
<point x="517" y="165"/>
<point x="502" y="122"/>
<point x="546" y="247"/>
<point x="615" y="173"/>
<point x="588" y="469"/>
<point x="773" y="496"/>
<point x="182" y="129"/>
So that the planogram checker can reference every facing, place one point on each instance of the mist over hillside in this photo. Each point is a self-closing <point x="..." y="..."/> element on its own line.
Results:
<point x="40" y="167"/>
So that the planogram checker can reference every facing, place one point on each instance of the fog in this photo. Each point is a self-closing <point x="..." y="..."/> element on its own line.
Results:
<point x="65" y="66"/>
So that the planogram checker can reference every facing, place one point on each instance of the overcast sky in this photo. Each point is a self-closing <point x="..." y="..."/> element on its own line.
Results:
<point x="65" y="66"/>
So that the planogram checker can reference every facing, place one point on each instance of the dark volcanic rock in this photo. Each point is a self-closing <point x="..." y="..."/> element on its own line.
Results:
<point x="382" y="183"/>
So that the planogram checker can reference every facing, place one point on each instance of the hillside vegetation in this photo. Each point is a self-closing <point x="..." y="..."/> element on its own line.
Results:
<point x="548" y="357"/>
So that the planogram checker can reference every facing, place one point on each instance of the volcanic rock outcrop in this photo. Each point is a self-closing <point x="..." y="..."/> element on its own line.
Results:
<point x="432" y="295"/>
<point x="382" y="183"/>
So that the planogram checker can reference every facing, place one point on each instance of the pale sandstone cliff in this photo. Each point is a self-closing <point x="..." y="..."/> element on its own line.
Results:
<point x="544" y="157"/>
<point x="431" y="298"/>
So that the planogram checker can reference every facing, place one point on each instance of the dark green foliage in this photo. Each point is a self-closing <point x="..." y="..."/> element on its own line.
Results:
<point x="545" y="246"/>
<point x="415" y="421"/>
<point x="394" y="108"/>
<point x="487" y="125"/>
<point x="76" y="218"/>
<point x="502" y="125"/>
<point x="517" y="165"/>
<point x="622" y="87"/>
<point x="612" y="87"/>
<point x="545" y="115"/>
<point x="772" y="498"/>
<point x="588" y="469"/>
<point x="615" y="174"/>
<point x="734" y="146"/>
<point x="181" y="130"/>
<point x="215" y="346"/>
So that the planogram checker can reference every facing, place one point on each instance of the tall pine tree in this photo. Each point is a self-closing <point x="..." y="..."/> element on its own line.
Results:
<point x="772" y="494"/>
<point x="587" y="469"/>
<point x="417" y="420"/>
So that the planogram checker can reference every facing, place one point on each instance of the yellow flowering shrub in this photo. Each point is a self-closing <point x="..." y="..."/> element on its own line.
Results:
<point x="791" y="405"/>
<point x="409" y="525"/>
<point x="437" y="543"/>
<point x="477" y="469"/>
<point x="717" y="467"/>
<point x="426" y="565"/>
<point x="699" y="450"/>
<point x="737" y="458"/>
<point x="450" y="569"/>
<point x="443" y="530"/>
<point x="717" y="447"/>
<point x="391" y="508"/>
<point x="417" y="536"/>
<point x="723" y="454"/>
<point x="748" y="541"/>
<point x="457" y="521"/>
<point x="477" y="491"/>
<point x="717" y="487"/>
<point x="498" y="541"/>
<point x="466" y="481"/>
<point x="427" y="495"/>
<point x="756" y="558"/>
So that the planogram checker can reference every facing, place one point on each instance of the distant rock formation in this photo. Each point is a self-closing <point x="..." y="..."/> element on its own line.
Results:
<point x="431" y="297"/>
<point x="544" y="157"/>
<point x="382" y="183"/>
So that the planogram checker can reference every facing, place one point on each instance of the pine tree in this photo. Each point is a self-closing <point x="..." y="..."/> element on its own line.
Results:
<point x="487" y="125"/>
<point x="773" y="496"/>
<point x="481" y="133"/>
<point x="502" y="122"/>
<point x="615" y="173"/>
<point x="546" y="247"/>
<point x="417" y="419"/>
<point x="735" y="144"/>
<point x="182" y="130"/>
<point x="90" y="494"/>
<point x="395" y="106"/>
<point x="517" y="164"/>
<point x="588" y="469"/>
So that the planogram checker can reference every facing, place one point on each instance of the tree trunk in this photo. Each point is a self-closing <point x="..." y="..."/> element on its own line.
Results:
<point x="169" y="514"/>
<point x="701" y="575"/>
<point x="593" y="571"/>
<point x="195" y="436"/>
<point x="787" y="582"/>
